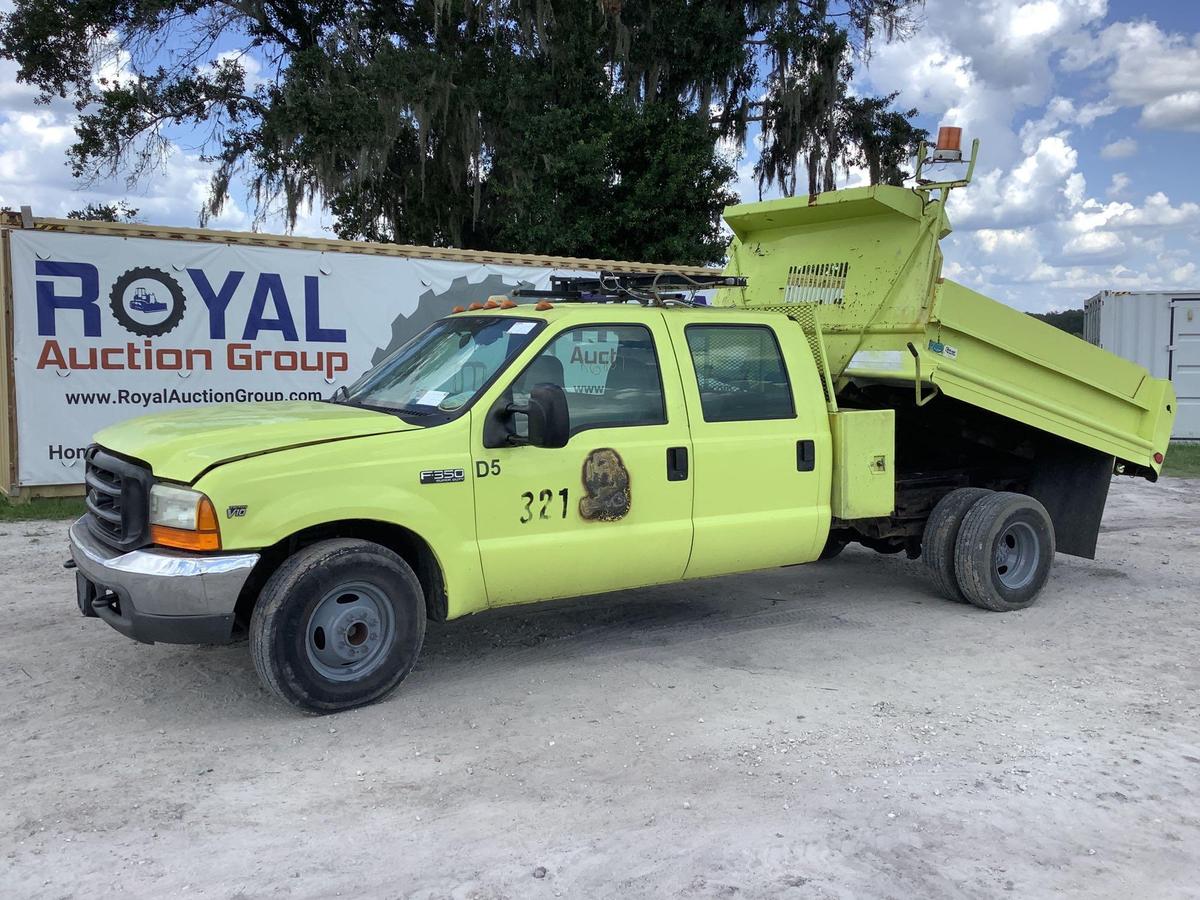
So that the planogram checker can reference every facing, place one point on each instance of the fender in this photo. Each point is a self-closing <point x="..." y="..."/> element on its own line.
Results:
<point x="263" y="499"/>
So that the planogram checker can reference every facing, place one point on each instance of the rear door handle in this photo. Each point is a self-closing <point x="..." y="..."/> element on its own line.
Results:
<point x="677" y="464"/>
<point x="806" y="456"/>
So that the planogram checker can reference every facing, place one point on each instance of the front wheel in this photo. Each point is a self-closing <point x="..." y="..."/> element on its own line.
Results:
<point x="1004" y="551"/>
<point x="338" y="625"/>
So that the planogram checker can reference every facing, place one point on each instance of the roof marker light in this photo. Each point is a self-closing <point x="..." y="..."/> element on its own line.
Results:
<point x="543" y="305"/>
<point x="508" y="304"/>
<point x="475" y="306"/>
<point x="458" y="309"/>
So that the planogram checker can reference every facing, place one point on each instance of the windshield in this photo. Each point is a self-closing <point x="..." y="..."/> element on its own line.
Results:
<point x="442" y="369"/>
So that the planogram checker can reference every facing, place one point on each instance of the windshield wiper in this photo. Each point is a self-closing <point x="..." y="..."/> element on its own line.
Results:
<point x="341" y="395"/>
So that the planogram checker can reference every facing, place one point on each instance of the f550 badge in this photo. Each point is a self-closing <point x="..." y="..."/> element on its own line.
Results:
<point x="442" y="476"/>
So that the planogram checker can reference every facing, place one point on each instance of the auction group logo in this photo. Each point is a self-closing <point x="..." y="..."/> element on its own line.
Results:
<point x="147" y="302"/>
<point x="251" y="322"/>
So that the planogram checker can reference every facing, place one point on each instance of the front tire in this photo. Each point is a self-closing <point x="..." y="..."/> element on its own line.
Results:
<point x="1004" y="552"/>
<point x="340" y="624"/>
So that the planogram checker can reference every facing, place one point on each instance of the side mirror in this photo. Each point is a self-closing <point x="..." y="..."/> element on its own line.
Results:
<point x="547" y="414"/>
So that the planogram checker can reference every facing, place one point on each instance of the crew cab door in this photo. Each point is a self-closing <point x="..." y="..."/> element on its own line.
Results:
<point x="760" y="441"/>
<point x="612" y="509"/>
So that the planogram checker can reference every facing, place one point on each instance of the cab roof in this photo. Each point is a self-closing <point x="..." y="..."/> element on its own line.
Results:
<point x="608" y="312"/>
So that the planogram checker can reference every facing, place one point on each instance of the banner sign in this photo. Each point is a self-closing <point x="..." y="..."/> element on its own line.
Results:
<point x="106" y="328"/>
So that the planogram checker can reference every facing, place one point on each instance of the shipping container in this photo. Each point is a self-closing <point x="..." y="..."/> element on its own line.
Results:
<point x="1159" y="330"/>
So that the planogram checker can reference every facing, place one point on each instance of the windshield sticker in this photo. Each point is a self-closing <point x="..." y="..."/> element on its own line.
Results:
<point x="431" y="398"/>
<point x="606" y="482"/>
<point x="521" y="327"/>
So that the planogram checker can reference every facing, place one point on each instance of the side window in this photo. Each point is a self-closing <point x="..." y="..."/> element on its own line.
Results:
<point x="609" y="372"/>
<point x="740" y="373"/>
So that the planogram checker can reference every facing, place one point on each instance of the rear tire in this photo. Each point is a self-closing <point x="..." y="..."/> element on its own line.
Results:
<point x="1004" y="552"/>
<point x="340" y="624"/>
<point x="941" y="535"/>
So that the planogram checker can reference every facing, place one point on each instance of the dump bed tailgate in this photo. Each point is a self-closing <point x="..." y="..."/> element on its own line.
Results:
<point x="992" y="356"/>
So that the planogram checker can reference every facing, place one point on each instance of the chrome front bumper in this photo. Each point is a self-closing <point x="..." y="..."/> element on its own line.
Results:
<point x="157" y="594"/>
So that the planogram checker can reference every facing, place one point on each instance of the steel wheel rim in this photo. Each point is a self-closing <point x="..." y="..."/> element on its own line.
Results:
<point x="350" y="631"/>
<point x="1017" y="555"/>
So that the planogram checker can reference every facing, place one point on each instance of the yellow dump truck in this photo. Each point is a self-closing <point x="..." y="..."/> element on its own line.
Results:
<point x="615" y="434"/>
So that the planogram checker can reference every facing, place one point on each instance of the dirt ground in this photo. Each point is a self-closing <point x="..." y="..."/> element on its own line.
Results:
<point x="823" y="731"/>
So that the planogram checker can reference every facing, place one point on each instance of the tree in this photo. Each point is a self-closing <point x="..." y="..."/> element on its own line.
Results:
<point x="118" y="211"/>
<point x="590" y="127"/>
<point x="1068" y="320"/>
<point x="878" y="137"/>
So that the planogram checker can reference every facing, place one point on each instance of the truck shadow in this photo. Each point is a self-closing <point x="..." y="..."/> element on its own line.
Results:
<point x="859" y="590"/>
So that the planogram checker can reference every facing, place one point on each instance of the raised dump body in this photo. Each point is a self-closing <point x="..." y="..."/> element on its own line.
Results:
<point x="865" y="266"/>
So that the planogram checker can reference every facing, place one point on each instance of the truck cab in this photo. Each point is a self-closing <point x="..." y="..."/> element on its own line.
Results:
<point x="503" y="456"/>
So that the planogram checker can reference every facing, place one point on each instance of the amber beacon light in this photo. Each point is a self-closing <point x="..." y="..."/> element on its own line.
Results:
<point x="949" y="145"/>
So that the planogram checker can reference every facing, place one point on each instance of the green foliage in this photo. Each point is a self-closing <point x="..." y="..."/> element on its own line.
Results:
<point x="42" y="508"/>
<point x="1069" y="320"/>
<point x="583" y="127"/>
<point x="119" y="211"/>
<point x="1183" y="460"/>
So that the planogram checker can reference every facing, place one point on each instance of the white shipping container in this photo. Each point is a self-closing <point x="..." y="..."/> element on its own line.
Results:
<point x="1159" y="330"/>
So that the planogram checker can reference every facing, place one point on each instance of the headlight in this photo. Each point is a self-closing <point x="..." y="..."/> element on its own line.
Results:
<point x="183" y="518"/>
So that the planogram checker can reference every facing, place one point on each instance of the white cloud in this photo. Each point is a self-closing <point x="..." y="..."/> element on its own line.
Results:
<point x="1118" y="185"/>
<point x="1119" y="149"/>
<point x="1146" y="68"/>
<point x="1095" y="244"/>
<point x="1179" y="111"/>
<point x="1155" y="212"/>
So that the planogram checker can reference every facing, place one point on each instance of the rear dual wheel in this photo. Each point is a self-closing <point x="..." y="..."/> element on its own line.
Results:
<point x="941" y="534"/>
<point x="992" y="549"/>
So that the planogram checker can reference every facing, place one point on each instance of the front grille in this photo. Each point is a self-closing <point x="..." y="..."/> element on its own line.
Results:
<point x="117" y="499"/>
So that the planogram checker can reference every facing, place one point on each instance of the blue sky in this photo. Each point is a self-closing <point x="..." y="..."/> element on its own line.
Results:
<point x="1089" y="114"/>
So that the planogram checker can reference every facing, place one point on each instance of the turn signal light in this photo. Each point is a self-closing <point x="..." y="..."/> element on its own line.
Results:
<point x="1158" y="458"/>
<point x="207" y="535"/>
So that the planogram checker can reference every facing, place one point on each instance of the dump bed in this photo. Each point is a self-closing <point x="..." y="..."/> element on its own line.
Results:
<point x="861" y="270"/>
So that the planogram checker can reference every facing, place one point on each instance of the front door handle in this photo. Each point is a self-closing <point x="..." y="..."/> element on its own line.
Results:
<point x="677" y="464"/>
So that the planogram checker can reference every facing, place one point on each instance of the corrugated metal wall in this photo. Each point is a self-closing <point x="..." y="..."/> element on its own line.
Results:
<point x="1138" y="326"/>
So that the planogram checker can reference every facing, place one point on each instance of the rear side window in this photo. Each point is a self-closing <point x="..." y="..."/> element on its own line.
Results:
<point x="740" y="373"/>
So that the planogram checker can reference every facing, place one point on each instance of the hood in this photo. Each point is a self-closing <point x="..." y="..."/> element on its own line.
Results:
<point x="180" y="445"/>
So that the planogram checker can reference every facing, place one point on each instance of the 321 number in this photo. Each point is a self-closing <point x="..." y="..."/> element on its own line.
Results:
<point x="545" y="498"/>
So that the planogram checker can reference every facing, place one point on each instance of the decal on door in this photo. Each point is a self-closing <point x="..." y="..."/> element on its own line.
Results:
<point x="606" y="483"/>
<point x="543" y="506"/>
